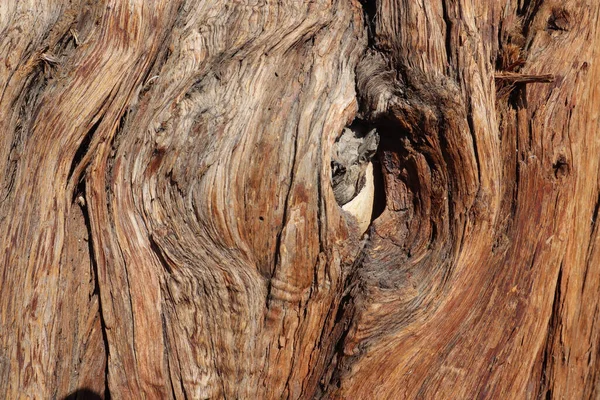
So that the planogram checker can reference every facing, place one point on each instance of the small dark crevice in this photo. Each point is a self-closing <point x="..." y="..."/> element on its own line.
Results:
<point x="379" y="198"/>
<point x="369" y="14"/>
<point x="321" y="211"/>
<point x="595" y="213"/>
<point x="166" y="352"/>
<point x="560" y="167"/>
<point x="523" y="6"/>
<point x="473" y="132"/>
<point x="159" y="253"/>
<point x="83" y="148"/>
<point x="591" y="243"/>
<point x="559" y="20"/>
<point x="448" y="39"/>
<point x="528" y="11"/>
<point x="518" y="97"/>
<point x="337" y="361"/>
<point x="83" y="394"/>
<point x="392" y="155"/>
<point x="10" y="172"/>
<point x="80" y="197"/>
<point x="553" y="324"/>
<point x="110" y="162"/>
<point x="341" y="317"/>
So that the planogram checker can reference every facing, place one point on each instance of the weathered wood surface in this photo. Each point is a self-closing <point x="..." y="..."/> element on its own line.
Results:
<point x="169" y="229"/>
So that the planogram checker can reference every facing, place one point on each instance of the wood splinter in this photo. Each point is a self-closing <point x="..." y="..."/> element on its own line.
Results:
<point x="515" y="77"/>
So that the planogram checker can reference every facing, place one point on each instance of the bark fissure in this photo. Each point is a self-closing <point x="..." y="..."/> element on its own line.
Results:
<point x="81" y="198"/>
<point x="83" y="150"/>
<point x="553" y="328"/>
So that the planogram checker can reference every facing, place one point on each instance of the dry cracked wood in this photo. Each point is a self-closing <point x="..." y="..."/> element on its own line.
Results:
<point x="168" y="226"/>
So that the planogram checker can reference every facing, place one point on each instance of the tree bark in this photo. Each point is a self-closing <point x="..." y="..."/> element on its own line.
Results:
<point x="169" y="227"/>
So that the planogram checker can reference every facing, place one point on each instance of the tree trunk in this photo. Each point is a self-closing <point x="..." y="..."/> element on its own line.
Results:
<point x="191" y="205"/>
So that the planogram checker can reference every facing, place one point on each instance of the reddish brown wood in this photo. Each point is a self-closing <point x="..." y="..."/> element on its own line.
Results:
<point x="168" y="226"/>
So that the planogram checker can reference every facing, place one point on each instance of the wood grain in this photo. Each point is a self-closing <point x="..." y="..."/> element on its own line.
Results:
<point x="168" y="226"/>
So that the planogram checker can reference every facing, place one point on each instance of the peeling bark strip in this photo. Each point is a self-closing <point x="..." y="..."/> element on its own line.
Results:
<point x="169" y="223"/>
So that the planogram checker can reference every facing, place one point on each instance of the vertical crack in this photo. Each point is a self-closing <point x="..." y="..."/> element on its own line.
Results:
<point x="448" y="39"/>
<point x="595" y="213"/>
<point x="83" y="148"/>
<point x="553" y="323"/>
<point x="369" y="14"/>
<point x="82" y="199"/>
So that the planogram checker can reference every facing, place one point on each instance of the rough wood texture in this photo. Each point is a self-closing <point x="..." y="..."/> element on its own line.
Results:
<point x="168" y="225"/>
